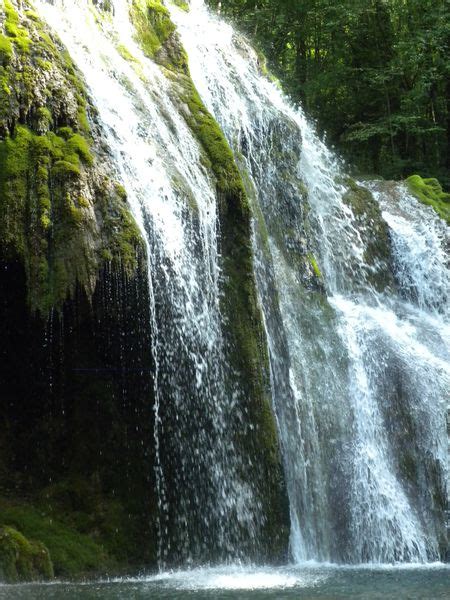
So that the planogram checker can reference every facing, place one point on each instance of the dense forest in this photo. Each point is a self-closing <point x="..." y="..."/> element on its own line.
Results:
<point x="375" y="74"/>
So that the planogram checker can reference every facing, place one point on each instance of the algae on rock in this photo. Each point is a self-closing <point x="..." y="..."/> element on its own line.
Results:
<point x="22" y="559"/>
<point x="430" y="192"/>
<point x="62" y="215"/>
<point x="74" y="290"/>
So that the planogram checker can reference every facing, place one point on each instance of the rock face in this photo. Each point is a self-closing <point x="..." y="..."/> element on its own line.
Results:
<point x="76" y="413"/>
<point x="375" y="234"/>
<point x="63" y="215"/>
<point x="73" y="275"/>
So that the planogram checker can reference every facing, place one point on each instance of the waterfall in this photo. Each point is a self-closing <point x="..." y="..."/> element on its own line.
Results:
<point x="208" y="494"/>
<point x="359" y="372"/>
<point x="356" y="327"/>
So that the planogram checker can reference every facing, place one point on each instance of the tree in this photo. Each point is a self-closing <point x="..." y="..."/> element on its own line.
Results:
<point x="375" y="74"/>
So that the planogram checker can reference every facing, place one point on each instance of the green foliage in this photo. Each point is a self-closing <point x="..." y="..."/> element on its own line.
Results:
<point x="22" y="559"/>
<point x="373" y="73"/>
<point x="429" y="191"/>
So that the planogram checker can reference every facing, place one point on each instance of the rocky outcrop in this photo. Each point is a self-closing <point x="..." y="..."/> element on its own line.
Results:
<point x="76" y="407"/>
<point x="374" y="233"/>
<point x="64" y="216"/>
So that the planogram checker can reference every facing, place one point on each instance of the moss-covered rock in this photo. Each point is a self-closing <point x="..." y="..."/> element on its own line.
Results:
<point x="62" y="215"/>
<point x="156" y="33"/>
<point x="284" y="202"/>
<point x="244" y="326"/>
<point x="103" y="5"/>
<point x="374" y="233"/>
<point x="430" y="192"/>
<point x="68" y="238"/>
<point x="22" y="559"/>
<point x="79" y="528"/>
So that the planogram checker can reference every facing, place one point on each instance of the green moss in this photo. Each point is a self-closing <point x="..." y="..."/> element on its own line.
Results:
<point x="31" y="14"/>
<point x="22" y="559"/>
<point x="83" y="120"/>
<point x="217" y="152"/>
<point x="107" y="255"/>
<point x="14" y="30"/>
<point x="181" y="4"/>
<point x="85" y="529"/>
<point x="358" y="198"/>
<point x="72" y="552"/>
<point x="430" y="192"/>
<point x="125" y="53"/>
<point x="124" y="245"/>
<point x="64" y="169"/>
<point x="43" y="170"/>
<point x="210" y="136"/>
<point x="12" y="19"/>
<point x="5" y="50"/>
<point x="84" y="509"/>
<point x="121" y="191"/>
<point x="44" y="119"/>
<point x="155" y="32"/>
<point x="314" y="265"/>
<point x="28" y="156"/>
<point x="152" y="23"/>
<point x="34" y="49"/>
<point x="40" y="163"/>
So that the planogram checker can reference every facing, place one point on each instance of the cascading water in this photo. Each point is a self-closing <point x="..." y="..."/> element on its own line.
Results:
<point x="174" y="202"/>
<point x="362" y="419"/>
<point x="358" y="345"/>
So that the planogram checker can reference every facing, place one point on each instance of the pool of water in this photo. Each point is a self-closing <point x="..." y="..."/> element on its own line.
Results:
<point x="308" y="581"/>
